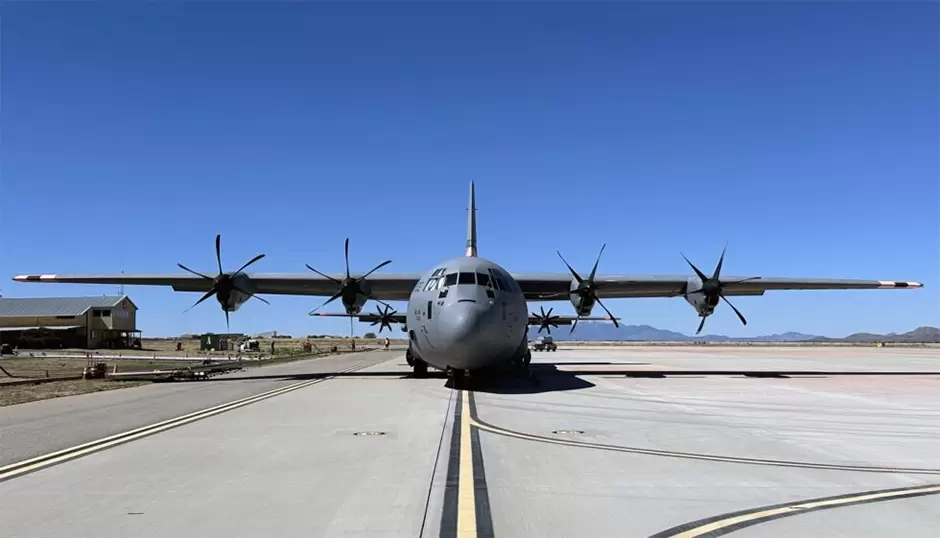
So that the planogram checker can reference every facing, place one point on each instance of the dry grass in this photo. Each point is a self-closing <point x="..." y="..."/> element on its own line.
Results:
<point x="42" y="368"/>
<point x="282" y="346"/>
<point x="56" y="389"/>
<point x="39" y="367"/>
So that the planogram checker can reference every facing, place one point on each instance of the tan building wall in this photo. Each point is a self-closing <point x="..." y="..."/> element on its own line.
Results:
<point x="100" y="322"/>
<point x="97" y="324"/>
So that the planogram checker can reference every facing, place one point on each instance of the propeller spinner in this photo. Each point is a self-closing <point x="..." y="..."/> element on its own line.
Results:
<point x="224" y="283"/>
<point x="385" y="318"/>
<point x="546" y="320"/>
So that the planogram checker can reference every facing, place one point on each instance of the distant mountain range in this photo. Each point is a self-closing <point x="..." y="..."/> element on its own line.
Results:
<point x="595" y="331"/>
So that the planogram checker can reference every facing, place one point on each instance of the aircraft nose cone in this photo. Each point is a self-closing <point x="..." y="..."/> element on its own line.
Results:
<point x="461" y="323"/>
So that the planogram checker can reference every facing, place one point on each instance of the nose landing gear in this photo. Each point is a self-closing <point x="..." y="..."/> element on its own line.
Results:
<point x="419" y="367"/>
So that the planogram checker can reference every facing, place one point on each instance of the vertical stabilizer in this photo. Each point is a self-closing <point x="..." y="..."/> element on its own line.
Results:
<point x="472" y="225"/>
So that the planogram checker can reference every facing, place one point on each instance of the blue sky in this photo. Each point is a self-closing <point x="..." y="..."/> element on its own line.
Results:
<point x="805" y="135"/>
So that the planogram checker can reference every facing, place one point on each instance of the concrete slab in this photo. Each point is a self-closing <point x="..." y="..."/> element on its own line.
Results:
<point x="286" y="466"/>
<point x="677" y="450"/>
<point x="34" y="428"/>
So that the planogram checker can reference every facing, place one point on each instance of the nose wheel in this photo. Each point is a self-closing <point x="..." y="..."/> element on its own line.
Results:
<point x="459" y="378"/>
<point x="418" y="366"/>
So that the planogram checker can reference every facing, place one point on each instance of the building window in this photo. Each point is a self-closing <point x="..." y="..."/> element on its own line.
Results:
<point x="106" y="313"/>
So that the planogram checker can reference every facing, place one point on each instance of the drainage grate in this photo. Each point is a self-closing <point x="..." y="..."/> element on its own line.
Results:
<point x="568" y="432"/>
<point x="369" y="433"/>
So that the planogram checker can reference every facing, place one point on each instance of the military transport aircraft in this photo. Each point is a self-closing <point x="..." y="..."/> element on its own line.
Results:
<point x="468" y="313"/>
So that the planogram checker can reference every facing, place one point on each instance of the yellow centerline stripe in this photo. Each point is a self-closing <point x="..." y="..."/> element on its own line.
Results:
<point x="39" y="462"/>
<point x="800" y="506"/>
<point x="466" y="494"/>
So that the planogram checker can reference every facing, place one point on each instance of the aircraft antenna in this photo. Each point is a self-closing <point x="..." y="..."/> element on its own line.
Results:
<point x="472" y="225"/>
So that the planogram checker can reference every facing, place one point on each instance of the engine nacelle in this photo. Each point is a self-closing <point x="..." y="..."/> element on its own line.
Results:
<point x="703" y="307"/>
<point x="234" y="299"/>
<point x="582" y="305"/>
<point x="353" y="303"/>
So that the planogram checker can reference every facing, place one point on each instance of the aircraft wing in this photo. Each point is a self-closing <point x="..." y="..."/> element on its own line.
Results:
<point x="567" y="320"/>
<point x="550" y="286"/>
<point x="364" y="317"/>
<point x="390" y="287"/>
<point x="555" y="286"/>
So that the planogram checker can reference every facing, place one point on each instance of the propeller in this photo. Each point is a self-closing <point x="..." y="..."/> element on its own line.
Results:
<point x="587" y="288"/>
<point x="349" y="288"/>
<point x="546" y="320"/>
<point x="712" y="287"/>
<point x="385" y="318"/>
<point x="224" y="283"/>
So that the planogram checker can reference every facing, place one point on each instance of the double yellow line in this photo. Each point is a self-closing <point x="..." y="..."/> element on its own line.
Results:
<point x="722" y="525"/>
<point x="466" y="492"/>
<point x="47" y="460"/>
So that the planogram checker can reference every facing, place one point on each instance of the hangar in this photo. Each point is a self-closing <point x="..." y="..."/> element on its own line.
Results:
<point x="69" y="322"/>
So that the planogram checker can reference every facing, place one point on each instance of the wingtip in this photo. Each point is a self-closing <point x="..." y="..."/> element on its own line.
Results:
<point x="899" y="284"/>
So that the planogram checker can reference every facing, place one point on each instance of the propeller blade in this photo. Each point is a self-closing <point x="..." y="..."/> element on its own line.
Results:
<point x="573" y="272"/>
<point x="742" y="280"/>
<point x="380" y="301"/>
<point x="253" y="260"/>
<point x="612" y="318"/>
<point x="228" y="326"/>
<point x="347" y="257"/>
<point x="350" y="327"/>
<point x="328" y="301"/>
<point x="194" y="272"/>
<point x="744" y="321"/>
<point x="575" y="324"/>
<point x="249" y="294"/>
<point x="208" y="294"/>
<point x="700" y="325"/>
<point x="374" y="269"/>
<point x="700" y="274"/>
<point x="596" y="262"/>
<point x="328" y="277"/>
<point x="721" y="260"/>
<point x="218" y="251"/>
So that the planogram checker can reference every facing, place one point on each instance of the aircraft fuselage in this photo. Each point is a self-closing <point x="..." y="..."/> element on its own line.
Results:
<point x="467" y="314"/>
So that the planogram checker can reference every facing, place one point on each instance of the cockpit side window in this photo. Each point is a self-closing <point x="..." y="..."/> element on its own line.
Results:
<point x="483" y="279"/>
<point x="502" y="282"/>
<point x="467" y="278"/>
<point x="495" y="280"/>
<point x="450" y="279"/>
<point x="432" y="283"/>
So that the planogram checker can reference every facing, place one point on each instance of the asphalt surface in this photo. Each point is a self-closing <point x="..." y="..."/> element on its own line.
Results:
<point x="585" y="449"/>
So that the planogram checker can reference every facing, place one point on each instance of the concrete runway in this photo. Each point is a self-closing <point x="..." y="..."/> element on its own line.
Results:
<point x="605" y="442"/>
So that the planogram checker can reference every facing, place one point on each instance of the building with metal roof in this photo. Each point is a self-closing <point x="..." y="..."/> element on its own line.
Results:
<point x="69" y="322"/>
